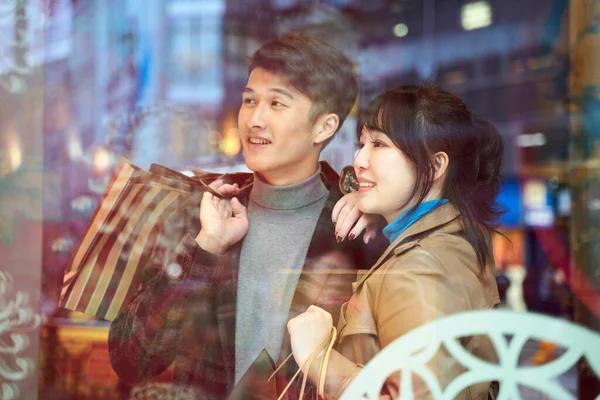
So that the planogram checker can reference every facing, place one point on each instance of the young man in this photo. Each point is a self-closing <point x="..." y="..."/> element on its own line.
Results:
<point x="261" y="258"/>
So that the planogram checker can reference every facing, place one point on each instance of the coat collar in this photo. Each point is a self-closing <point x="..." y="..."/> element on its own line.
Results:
<point x="443" y="219"/>
<point x="432" y="220"/>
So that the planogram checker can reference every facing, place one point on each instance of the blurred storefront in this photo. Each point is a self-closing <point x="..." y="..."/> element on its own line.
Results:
<point x="86" y="82"/>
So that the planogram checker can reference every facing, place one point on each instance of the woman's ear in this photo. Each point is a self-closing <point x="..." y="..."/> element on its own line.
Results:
<point x="440" y="164"/>
<point x="326" y="127"/>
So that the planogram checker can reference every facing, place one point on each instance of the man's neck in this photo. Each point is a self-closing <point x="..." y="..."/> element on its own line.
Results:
<point x="287" y="177"/>
<point x="291" y="196"/>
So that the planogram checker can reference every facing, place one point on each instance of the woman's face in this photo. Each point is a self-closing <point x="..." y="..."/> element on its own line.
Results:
<point x="386" y="176"/>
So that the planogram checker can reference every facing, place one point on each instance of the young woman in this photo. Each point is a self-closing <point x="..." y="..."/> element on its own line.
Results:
<point x="432" y="170"/>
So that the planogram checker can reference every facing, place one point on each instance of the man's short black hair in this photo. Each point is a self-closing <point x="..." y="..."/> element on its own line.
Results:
<point x="315" y="68"/>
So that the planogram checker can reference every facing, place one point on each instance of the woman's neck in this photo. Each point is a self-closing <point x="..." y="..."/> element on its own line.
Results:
<point x="432" y="195"/>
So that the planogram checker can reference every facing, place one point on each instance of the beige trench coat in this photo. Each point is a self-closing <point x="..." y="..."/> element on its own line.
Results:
<point x="429" y="272"/>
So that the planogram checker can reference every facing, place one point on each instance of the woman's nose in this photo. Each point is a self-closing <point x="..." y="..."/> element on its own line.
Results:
<point x="361" y="160"/>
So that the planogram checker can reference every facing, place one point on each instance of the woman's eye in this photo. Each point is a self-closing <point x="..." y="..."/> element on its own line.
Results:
<point x="277" y="104"/>
<point x="377" y="143"/>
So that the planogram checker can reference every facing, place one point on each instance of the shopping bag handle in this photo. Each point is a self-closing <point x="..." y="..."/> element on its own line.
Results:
<point x="326" y="344"/>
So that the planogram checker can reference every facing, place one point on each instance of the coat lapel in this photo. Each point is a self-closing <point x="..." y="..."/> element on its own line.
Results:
<point x="226" y="295"/>
<point x="314" y="273"/>
<point x="226" y="305"/>
<point x="313" y="279"/>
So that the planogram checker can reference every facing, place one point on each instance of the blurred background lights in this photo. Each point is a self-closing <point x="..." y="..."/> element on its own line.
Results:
<point x="400" y="30"/>
<point x="476" y="15"/>
<point x="531" y="140"/>
<point x="214" y="138"/>
<point x="15" y="154"/>
<point x="102" y="159"/>
<point x="231" y="142"/>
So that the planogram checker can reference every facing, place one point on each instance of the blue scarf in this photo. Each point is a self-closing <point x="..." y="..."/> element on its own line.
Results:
<point x="401" y="223"/>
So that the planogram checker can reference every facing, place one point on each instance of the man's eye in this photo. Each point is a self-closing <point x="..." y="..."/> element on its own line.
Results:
<point x="377" y="143"/>
<point x="248" y="100"/>
<point x="277" y="104"/>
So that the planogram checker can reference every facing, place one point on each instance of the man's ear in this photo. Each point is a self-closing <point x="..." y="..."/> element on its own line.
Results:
<point x="325" y="127"/>
<point x="440" y="164"/>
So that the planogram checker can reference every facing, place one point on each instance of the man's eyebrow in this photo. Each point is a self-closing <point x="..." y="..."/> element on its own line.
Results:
<point x="276" y="90"/>
<point x="283" y="92"/>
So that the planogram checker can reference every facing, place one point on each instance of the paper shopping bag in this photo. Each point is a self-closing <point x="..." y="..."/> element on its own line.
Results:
<point x="107" y="266"/>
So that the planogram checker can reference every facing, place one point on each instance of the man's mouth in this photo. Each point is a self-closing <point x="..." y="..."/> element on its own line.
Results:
<point x="255" y="140"/>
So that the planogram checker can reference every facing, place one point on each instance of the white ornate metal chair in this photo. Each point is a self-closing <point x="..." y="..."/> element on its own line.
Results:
<point x="410" y="353"/>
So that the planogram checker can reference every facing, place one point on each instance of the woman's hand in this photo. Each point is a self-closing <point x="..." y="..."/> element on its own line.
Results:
<point x="307" y="331"/>
<point x="350" y="221"/>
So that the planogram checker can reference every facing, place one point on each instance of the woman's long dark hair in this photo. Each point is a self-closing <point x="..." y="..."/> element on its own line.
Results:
<point x="423" y="120"/>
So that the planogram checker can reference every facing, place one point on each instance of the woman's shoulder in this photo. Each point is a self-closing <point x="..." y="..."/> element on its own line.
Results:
<point x="438" y="252"/>
<point x="444" y="265"/>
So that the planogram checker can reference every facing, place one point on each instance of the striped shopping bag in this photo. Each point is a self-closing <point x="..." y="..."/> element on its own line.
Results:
<point x="107" y="266"/>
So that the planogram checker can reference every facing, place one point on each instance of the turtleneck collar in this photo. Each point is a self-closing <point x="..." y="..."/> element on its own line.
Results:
<point x="288" y="197"/>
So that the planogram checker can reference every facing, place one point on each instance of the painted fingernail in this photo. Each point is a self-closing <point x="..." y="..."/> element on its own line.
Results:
<point x="338" y="239"/>
<point x="352" y="236"/>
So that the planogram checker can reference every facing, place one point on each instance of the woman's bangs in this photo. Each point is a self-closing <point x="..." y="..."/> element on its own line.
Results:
<point x="376" y="118"/>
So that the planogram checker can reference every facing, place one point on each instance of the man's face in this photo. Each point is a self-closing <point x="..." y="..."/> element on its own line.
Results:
<point x="278" y="139"/>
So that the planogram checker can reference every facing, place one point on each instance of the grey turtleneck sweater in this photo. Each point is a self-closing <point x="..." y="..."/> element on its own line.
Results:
<point x="282" y="220"/>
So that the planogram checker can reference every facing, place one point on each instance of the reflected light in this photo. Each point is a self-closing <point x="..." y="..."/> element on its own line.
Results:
<point x="531" y="140"/>
<point x="102" y="159"/>
<point x="476" y="15"/>
<point x="534" y="194"/>
<point x="15" y="154"/>
<point x="400" y="30"/>
<point x="187" y="172"/>
<point x="214" y="138"/>
<point x="231" y="142"/>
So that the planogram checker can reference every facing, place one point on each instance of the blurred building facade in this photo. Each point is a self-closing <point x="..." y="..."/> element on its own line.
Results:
<point x="160" y="81"/>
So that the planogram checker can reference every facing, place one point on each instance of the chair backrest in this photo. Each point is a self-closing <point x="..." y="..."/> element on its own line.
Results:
<point x="410" y="353"/>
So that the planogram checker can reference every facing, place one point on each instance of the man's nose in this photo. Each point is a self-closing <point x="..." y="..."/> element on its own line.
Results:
<point x="258" y="117"/>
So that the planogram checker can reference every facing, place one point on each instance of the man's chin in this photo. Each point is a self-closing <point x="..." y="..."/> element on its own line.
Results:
<point x="256" y="166"/>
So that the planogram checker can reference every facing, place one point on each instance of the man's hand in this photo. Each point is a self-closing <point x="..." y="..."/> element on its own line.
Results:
<point x="350" y="221"/>
<point x="223" y="222"/>
<point x="307" y="331"/>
